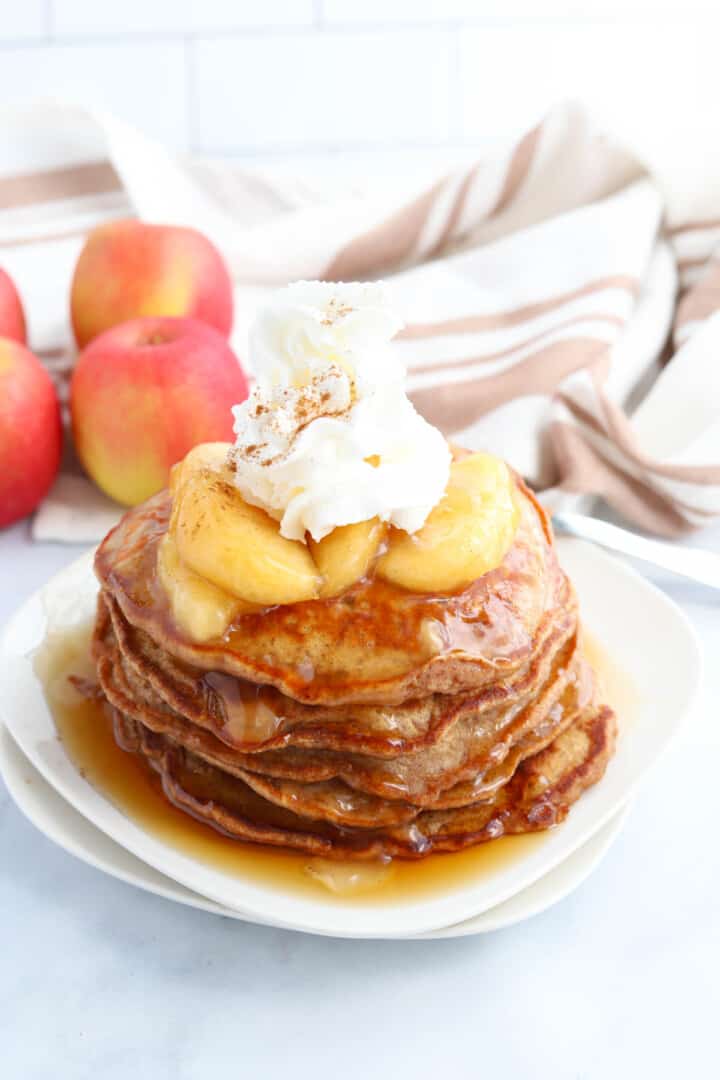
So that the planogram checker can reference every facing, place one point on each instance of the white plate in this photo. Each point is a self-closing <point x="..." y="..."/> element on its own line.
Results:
<point x="54" y="817"/>
<point x="633" y="621"/>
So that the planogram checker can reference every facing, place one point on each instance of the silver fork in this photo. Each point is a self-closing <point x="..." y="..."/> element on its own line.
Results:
<point x="692" y="563"/>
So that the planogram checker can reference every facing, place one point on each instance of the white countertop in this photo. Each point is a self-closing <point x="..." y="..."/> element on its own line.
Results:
<point x="621" y="979"/>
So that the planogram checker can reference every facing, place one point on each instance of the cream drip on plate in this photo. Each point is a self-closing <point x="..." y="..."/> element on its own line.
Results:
<point x="328" y="436"/>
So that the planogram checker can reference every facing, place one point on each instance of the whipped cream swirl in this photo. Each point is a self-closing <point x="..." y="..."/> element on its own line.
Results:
<point x="328" y="436"/>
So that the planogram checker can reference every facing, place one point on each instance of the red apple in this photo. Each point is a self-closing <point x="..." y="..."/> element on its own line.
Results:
<point x="128" y="270"/>
<point x="12" y="316"/>
<point x="30" y="431"/>
<point x="146" y="392"/>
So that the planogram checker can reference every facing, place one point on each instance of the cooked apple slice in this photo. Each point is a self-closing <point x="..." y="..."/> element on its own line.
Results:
<point x="237" y="546"/>
<point x="199" y="608"/>
<point x="208" y="455"/>
<point x="344" y="555"/>
<point x="467" y="534"/>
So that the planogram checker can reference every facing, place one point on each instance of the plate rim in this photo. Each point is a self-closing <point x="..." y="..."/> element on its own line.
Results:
<point x="487" y="922"/>
<point x="314" y="915"/>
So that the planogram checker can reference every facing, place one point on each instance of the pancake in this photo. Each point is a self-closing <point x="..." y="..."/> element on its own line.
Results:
<point x="469" y="760"/>
<point x="538" y="796"/>
<point x="374" y="643"/>
<point x="378" y="723"/>
<point x="252" y="718"/>
<point x="456" y="718"/>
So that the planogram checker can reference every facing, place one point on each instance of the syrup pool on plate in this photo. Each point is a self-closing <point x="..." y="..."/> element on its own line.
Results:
<point x="85" y="728"/>
<point x="614" y="685"/>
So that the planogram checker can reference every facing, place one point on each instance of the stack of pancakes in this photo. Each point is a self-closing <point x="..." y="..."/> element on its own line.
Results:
<point x="377" y="723"/>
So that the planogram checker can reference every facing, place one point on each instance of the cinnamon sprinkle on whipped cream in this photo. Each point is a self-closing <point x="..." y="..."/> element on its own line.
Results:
<point x="328" y="436"/>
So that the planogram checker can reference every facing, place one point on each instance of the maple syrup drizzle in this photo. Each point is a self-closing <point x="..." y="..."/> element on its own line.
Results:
<point x="85" y="728"/>
<point x="248" y="718"/>
<point x="380" y="630"/>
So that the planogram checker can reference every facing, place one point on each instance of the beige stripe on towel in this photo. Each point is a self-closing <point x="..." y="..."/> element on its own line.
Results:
<point x="27" y="189"/>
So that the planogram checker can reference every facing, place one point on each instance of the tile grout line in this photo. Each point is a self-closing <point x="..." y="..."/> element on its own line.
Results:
<point x="319" y="23"/>
<point x="319" y="20"/>
<point x="49" y="21"/>
<point x="189" y="100"/>
<point x="455" y="126"/>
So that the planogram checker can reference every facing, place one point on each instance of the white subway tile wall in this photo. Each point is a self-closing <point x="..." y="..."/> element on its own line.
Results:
<point x="145" y="82"/>
<point x="408" y="11"/>
<point x="308" y="90"/>
<point x="89" y="17"/>
<point x="285" y="79"/>
<point x="21" y="20"/>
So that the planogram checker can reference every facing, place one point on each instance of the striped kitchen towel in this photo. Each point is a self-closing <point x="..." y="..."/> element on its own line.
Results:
<point x="561" y="299"/>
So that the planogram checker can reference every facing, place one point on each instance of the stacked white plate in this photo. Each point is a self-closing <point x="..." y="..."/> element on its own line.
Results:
<point x="641" y="632"/>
